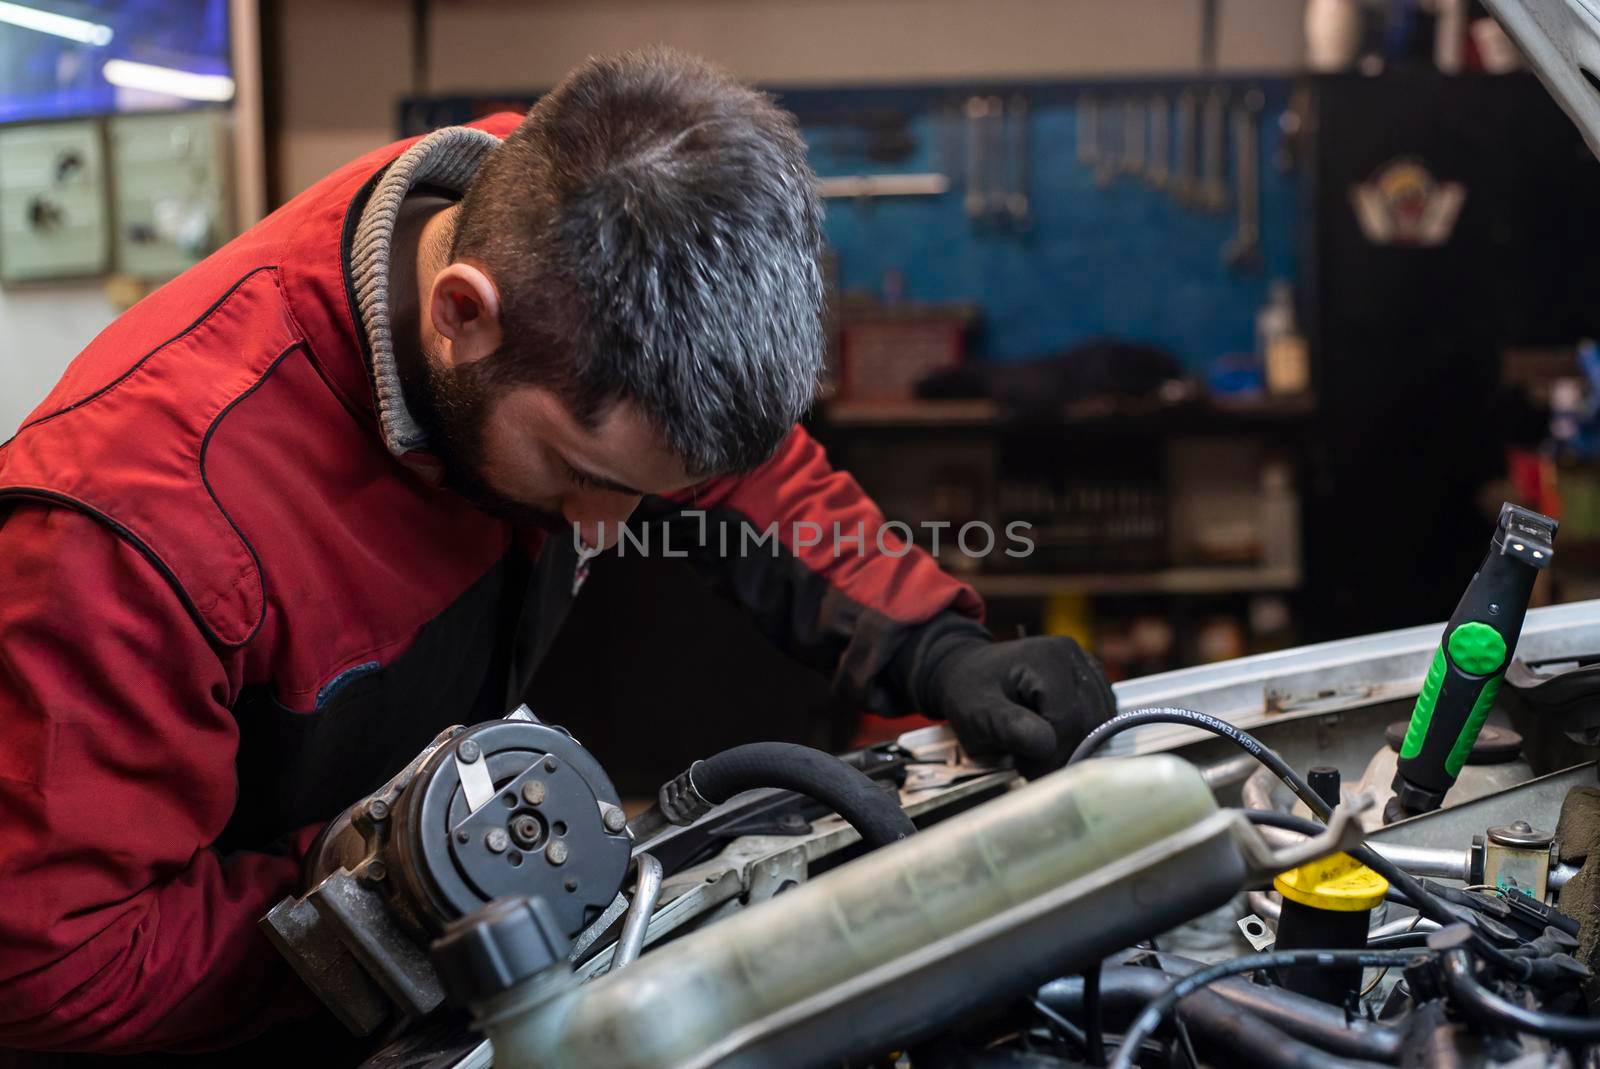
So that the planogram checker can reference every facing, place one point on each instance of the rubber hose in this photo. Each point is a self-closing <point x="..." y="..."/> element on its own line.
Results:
<point x="1478" y="1002"/>
<point x="1216" y="1021"/>
<point x="1159" y="1009"/>
<point x="1303" y="1017"/>
<point x="865" y="806"/>
<point x="1125" y="989"/>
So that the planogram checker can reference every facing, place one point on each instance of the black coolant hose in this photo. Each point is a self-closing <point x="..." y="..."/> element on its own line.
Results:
<point x="1216" y="1011"/>
<point x="1474" y="1000"/>
<point x="865" y="805"/>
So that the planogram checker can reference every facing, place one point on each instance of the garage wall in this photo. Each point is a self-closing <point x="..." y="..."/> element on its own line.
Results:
<point x="345" y="63"/>
<point x="41" y="328"/>
<point x="327" y="48"/>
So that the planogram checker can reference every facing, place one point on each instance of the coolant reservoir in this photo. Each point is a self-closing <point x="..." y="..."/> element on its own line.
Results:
<point x="973" y="911"/>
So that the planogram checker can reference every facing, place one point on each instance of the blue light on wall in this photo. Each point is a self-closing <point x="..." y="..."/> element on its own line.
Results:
<point x="93" y="57"/>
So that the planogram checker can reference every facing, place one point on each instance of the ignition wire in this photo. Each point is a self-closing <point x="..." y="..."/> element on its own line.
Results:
<point x="1206" y="722"/>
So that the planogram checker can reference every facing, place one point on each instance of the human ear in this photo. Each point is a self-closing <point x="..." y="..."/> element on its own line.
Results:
<point x="464" y="306"/>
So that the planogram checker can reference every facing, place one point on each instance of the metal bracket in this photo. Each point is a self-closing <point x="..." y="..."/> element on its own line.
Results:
<point x="1257" y="932"/>
<point x="605" y="927"/>
<point x="326" y="965"/>
<point x="361" y="921"/>
<point x="1343" y="832"/>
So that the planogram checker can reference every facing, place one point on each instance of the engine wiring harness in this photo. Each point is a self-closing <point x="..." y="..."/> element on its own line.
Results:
<point x="1515" y="988"/>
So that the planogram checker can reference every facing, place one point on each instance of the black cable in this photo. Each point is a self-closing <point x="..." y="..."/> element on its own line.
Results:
<point x="1478" y="1002"/>
<point x="1190" y="1058"/>
<point x="1062" y="1025"/>
<point x="1156" y="1011"/>
<point x="1095" y="1049"/>
<point x="1421" y="899"/>
<point x="1246" y="741"/>
<point x="866" y="806"/>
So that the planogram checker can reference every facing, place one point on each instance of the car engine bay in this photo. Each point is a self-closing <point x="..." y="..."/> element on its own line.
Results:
<point x="910" y="905"/>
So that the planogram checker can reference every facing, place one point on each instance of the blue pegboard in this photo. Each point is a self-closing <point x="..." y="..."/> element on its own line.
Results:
<point x="1125" y="261"/>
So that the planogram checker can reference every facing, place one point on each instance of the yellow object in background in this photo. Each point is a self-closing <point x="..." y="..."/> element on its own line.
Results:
<point x="1070" y="615"/>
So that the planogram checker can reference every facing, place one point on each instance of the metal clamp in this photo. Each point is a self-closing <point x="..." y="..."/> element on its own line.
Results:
<point x="1343" y="832"/>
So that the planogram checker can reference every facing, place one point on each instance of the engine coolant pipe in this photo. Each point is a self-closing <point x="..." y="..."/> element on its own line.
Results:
<point x="968" y="914"/>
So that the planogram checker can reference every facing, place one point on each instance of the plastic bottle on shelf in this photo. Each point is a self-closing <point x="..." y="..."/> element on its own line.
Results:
<point x="1282" y="350"/>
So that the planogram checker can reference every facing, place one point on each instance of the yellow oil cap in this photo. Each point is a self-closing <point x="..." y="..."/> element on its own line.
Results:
<point x="1337" y="882"/>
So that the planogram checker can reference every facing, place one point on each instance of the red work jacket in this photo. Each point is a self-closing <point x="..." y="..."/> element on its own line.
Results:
<point x="226" y="610"/>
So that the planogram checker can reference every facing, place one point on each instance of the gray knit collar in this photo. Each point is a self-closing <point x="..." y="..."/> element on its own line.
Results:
<point x="448" y="159"/>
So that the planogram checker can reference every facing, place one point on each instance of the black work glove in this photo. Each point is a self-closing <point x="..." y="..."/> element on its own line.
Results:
<point x="1035" y="698"/>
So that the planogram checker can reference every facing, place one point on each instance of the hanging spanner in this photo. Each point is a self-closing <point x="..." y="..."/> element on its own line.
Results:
<point x="997" y="181"/>
<point x="1017" y="130"/>
<point x="1159" y="171"/>
<point x="1243" y="250"/>
<point x="1133" y="136"/>
<point x="1108" y="164"/>
<point x="1088" y="122"/>
<point x="977" y="196"/>
<point x="1213" y="194"/>
<point x="1184" y="181"/>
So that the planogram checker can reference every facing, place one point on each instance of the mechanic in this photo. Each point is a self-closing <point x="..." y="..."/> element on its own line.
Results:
<point x="316" y="499"/>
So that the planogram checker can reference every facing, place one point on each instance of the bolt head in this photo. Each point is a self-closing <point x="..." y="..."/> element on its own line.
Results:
<point x="527" y="831"/>
<point x="497" y="840"/>
<point x="549" y="764"/>
<point x="533" y="792"/>
<point x="469" y="750"/>
<point x="378" y="809"/>
<point x="615" y="820"/>
<point x="376" y="871"/>
<point x="556" y="852"/>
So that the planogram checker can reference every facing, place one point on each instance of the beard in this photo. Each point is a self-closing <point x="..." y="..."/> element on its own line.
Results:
<point x="453" y="405"/>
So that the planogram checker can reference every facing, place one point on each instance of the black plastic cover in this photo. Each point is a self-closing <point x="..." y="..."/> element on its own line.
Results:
<point x="498" y="947"/>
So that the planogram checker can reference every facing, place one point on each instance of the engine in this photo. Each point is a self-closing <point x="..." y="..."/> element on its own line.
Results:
<point x="1192" y="889"/>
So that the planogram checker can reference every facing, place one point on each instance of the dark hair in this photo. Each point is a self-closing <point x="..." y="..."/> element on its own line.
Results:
<point x="654" y="230"/>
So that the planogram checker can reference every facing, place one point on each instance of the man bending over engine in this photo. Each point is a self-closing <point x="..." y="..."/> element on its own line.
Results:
<point x="316" y="499"/>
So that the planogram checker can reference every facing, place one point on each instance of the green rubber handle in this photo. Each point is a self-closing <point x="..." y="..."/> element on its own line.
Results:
<point x="1473" y="682"/>
<point x="1467" y="668"/>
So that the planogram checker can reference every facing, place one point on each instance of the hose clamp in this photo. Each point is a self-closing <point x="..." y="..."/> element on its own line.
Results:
<point x="681" y="802"/>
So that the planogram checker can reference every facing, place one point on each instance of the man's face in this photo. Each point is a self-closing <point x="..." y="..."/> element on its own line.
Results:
<point x="518" y="452"/>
